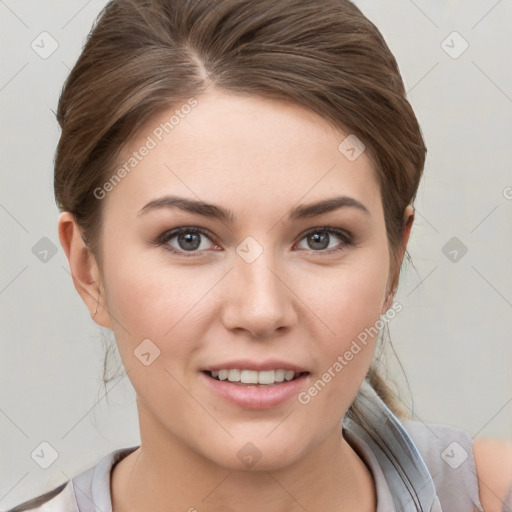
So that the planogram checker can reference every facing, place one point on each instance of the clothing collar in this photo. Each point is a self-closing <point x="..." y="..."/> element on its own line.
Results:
<point x="410" y="484"/>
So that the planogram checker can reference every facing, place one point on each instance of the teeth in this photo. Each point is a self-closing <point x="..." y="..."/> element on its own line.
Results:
<point x="248" y="377"/>
<point x="279" y="375"/>
<point x="266" y="377"/>
<point x="254" y="377"/>
<point x="288" y="374"/>
<point x="234" y="375"/>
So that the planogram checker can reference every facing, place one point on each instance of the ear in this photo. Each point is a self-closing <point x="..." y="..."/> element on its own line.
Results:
<point x="407" y="226"/>
<point x="84" y="269"/>
<point x="408" y="220"/>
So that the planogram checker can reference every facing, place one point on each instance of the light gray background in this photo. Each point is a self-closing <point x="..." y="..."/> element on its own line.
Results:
<point x="453" y="337"/>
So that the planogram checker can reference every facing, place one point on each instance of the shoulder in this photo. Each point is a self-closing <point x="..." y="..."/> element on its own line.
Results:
<point x="93" y="485"/>
<point x="60" y="499"/>
<point x="493" y="458"/>
<point x="480" y="470"/>
<point x="447" y="451"/>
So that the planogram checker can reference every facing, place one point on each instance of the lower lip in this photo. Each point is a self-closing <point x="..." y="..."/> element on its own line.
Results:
<point x="256" y="397"/>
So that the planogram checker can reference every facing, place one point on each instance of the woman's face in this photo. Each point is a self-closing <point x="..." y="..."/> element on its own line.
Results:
<point x="250" y="283"/>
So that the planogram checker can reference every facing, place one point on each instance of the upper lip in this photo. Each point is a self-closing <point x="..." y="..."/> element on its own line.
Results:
<point x="245" y="364"/>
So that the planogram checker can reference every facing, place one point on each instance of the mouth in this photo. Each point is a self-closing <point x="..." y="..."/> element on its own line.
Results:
<point x="253" y="378"/>
<point x="255" y="386"/>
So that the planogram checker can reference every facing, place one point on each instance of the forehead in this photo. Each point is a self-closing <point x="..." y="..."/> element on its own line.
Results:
<point x="245" y="151"/>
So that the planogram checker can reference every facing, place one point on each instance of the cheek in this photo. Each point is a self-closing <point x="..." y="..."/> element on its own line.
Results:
<point x="350" y="305"/>
<point x="141" y="296"/>
<point x="350" y="298"/>
<point x="160" y="303"/>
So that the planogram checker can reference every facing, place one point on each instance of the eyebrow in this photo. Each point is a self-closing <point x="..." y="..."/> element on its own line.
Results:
<point x="225" y="215"/>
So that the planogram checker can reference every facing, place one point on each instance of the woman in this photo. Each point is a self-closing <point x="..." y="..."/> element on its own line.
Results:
<point x="236" y="181"/>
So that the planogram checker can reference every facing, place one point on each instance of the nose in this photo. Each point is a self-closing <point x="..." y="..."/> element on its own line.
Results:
<point x="258" y="299"/>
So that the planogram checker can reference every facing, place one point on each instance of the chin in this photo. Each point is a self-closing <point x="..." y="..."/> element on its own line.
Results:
<point x="258" y="454"/>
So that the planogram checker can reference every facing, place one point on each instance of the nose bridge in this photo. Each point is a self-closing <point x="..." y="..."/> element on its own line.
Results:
<point x="258" y="299"/>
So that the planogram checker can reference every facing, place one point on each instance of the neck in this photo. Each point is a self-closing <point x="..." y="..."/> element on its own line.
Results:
<point x="163" y="474"/>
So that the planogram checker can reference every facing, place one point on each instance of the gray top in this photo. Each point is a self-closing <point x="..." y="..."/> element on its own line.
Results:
<point x="416" y="466"/>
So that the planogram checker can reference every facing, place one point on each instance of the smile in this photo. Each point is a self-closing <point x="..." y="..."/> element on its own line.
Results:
<point x="255" y="395"/>
<point x="252" y="377"/>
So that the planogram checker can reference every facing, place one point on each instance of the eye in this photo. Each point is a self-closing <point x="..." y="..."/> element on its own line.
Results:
<point x="319" y="239"/>
<point x="185" y="240"/>
<point x="191" y="241"/>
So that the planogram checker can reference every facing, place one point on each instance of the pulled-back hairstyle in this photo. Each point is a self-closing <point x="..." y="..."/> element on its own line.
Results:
<point x="146" y="56"/>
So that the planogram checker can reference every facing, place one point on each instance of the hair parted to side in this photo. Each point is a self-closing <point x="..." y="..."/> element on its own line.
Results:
<point x="145" y="56"/>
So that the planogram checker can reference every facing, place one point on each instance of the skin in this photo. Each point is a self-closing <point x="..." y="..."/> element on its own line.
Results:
<point x="493" y="458"/>
<point x="260" y="158"/>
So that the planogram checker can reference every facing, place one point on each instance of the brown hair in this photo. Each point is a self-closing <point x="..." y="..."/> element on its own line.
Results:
<point x="145" y="56"/>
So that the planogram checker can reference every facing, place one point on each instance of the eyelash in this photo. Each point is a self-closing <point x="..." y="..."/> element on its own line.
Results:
<point x="346" y="239"/>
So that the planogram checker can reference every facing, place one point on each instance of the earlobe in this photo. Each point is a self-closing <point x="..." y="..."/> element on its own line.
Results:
<point x="84" y="269"/>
